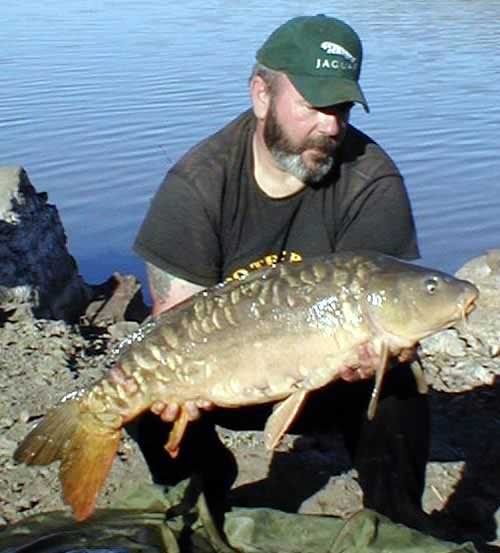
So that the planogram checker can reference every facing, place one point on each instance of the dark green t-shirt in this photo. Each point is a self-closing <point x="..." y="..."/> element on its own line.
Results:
<point x="209" y="220"/>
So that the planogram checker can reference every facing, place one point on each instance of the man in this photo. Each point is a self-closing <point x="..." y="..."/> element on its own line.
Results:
<point x="291" y="178"/>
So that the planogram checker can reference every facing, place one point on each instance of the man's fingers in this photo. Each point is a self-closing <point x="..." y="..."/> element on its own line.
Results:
<point x="407" y="355"/>
<point x="348" y="374"/>
<point x="169" y="412"/>
<point x="351" y="374"/>
<point x="192" y="410"/>
<point x="205" y="404"/>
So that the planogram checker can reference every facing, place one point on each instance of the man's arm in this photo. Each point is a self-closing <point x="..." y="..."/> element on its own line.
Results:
<point x="167" y="290"/>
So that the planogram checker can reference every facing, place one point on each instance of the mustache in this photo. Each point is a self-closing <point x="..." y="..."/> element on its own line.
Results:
<point x="324" y="144"/>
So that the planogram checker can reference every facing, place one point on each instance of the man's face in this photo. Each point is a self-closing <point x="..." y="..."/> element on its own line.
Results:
<point x="302" y="139"/>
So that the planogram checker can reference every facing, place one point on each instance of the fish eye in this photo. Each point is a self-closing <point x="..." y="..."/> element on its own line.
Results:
<point x="431" y="285"/>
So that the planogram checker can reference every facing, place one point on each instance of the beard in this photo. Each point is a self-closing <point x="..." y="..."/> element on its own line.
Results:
<point x="290" y="156"/>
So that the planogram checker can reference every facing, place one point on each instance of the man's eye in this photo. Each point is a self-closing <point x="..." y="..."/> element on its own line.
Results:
<point x="341" y="110"/>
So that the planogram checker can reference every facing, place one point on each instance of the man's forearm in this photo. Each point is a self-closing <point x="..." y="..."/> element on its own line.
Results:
<point x="168" y="290"/>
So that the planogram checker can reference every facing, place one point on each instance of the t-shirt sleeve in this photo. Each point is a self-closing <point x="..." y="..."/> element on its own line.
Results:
<point x="380" y="218"/>
<point x="178" y="235"/>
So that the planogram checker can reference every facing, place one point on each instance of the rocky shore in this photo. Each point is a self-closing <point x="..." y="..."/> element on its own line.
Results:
<point x="57" y="334"/>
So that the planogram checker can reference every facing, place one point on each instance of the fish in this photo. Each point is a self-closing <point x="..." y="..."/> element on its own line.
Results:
<point x="273" y="337"/>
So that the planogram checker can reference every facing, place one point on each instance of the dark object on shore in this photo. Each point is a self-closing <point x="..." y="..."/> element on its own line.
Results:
<point x="38" y="276"/>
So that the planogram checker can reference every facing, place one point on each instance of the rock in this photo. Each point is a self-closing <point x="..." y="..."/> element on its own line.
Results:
<point x="446" y="376"/>
<point x="7" y="446"/>
<point x="38" y="276"/>
<point x="448" y="342"/>
<point x="467" y="357"/>
<point x="118" y="299"/>
<point x="484" y="322"/>
<point x="120" y="330"/>
<point x="483" y="270"/>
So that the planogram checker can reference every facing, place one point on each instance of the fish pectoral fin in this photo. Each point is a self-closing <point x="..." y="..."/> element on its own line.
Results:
<point x="379" y="377"/>
<point x="282" y="417"/>
<point x="177" y="433"/>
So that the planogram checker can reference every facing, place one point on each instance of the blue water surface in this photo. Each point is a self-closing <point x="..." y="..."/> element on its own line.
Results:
<point x="99" y="97"/>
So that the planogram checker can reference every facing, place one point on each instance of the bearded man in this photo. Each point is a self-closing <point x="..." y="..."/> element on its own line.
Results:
<point x="291" y="178"/>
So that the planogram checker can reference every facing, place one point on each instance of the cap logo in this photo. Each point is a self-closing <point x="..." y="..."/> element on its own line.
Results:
<point x="347" y="62"/>
<point x="333" y="48"/>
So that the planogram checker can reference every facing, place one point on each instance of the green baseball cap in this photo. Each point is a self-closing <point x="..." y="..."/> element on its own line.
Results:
<point x="320" y="55"/>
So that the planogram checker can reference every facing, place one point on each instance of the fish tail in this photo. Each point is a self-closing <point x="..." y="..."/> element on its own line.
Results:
<point x="85" y="444"/>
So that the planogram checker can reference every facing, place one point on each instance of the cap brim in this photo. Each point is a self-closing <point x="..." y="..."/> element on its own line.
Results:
<point x="322" y="92"/>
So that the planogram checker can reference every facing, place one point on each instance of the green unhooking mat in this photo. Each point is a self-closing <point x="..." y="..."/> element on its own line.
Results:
<point x="151" y="521"/>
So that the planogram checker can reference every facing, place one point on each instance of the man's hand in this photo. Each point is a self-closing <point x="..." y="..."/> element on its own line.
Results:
<point x="355" y="374"/>
<point x="368" y="360"/>
<point x="169" y="412"/>
<point x="407" y="355"/>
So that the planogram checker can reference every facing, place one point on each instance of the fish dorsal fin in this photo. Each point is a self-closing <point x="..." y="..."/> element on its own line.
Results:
<point x="282" y="417"/>
<point x="379" y="377"/>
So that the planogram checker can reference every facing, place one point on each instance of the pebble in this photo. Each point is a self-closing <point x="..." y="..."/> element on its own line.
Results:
<point x="447" y="342"/>
<point x="7" y="446"/>
<point x="6" y="422"/>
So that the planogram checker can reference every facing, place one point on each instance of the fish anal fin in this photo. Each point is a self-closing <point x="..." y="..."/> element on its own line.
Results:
<point x="282" y="417"/>
<point x="176" y="434"/>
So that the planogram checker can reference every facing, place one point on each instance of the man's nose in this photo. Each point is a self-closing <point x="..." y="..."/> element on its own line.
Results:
<point x="329" y="123"/>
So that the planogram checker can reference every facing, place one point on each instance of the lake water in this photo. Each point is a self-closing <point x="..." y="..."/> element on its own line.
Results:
<point x="99" y="97"/>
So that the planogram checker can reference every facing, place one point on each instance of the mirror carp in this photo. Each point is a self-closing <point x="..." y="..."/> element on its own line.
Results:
<point x="275" y="336"/>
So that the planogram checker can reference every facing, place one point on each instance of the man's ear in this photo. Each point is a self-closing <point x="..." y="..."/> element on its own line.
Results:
<point x="261" y="97"/>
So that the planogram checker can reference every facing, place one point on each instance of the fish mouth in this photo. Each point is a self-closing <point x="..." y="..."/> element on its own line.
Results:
<point x="464" y="308"/>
